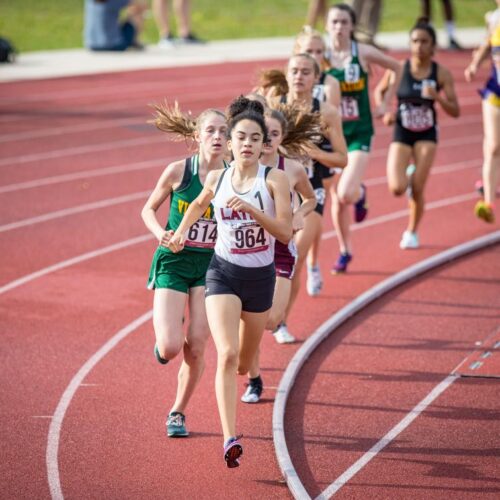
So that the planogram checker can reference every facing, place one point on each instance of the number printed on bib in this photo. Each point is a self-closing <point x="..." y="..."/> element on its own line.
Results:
<point x="416" y="118"/>
<point x="352" y="73"/>
<point x="249" y="239"/>
<point x="349" y="108"/>
<point x="202" y="234"/>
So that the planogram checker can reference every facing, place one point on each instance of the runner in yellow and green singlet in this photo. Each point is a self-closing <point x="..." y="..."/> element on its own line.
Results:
<point x="350" y="62"/>
<point x="179" y="278"/>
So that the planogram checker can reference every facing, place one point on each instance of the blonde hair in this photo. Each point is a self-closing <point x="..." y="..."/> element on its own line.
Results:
<point x="172" y="120"/>
<point x="309" y="33"/>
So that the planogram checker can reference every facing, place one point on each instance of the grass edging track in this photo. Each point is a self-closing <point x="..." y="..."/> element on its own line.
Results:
<point x="287" y="380"/>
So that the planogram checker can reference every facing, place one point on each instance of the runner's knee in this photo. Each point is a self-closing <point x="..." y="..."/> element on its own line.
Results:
<point x="228" y="359"/>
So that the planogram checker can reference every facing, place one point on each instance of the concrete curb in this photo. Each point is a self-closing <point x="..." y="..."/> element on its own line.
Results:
<point x="72" y="62"/>
<point x="301" y="356"/>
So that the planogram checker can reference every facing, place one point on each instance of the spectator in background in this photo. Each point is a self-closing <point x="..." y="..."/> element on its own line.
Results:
<point x="104" y="29"/>
<point x="449" y="20"/>
<point x="316" y="9"/>
<point x="182" y="10"/>
<point x="367" y="19"/>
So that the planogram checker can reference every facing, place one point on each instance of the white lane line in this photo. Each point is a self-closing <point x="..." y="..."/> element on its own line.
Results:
<point x="70" y="129"/>
<point x="133" y="104"/>
<point x="73" y="261"/>
<point x="51" y="457"/>
<point x="388" y="438"/>
<point x="120" y="122"/>
<point x="74" y="210"/>
<point x="105" y="90"/>
<point x="403" y="213"/>
<point x="80" y="150"/>
<point x="326" y="235"/>
<point x="58" y="418"/>
<point x="304" y="352"/>
<point x="85" y="174"/>
<point x="153" y="139"/>
<point x="164" y="161"/>
<point x="455" y="141"/>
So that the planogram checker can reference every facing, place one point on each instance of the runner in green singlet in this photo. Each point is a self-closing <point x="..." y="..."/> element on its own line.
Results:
<point x="350" y="62"/>
<point x="179" y="278"/>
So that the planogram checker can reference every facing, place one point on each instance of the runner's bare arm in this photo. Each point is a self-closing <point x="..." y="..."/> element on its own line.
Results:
<point x="448" y="101"/>
<point x="196" y="209"/>
<point x="303" y="187"/>
<point x="168" y="181"/>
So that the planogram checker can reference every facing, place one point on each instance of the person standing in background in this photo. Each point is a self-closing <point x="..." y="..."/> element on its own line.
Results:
<point x="449" y="17"/>
<point x="317" y="9"/>
<point x="103" y="29"/>
<point x="182" y="10"/>
<point x="368" y="14"/>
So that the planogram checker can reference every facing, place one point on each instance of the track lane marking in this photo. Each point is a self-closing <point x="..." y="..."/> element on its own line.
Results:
<point x="84" y="174"/>
<point x="51" y="457"/>
<point x="308" y="347"/>
<point x="123" y="244"/>
<point x="74" y="260"/>
<point x="388" y="438"/>
<point x="164" y="161"/>
<point x="110" y="202"/>
<point x="119" y="122"/>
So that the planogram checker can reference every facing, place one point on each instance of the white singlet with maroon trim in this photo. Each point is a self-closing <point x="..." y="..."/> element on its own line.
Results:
<point x="240" y="239"/>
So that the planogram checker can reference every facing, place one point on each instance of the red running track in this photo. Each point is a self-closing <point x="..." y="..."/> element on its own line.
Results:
<point x="77" y="160"/>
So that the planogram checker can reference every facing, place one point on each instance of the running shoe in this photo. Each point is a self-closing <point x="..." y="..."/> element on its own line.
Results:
<point x="410" y="171"/>
<point x="253" y="392"/>
<point x="176" y="425"/>
<point x="409" y="240"/>
<point x="158" y="357"/>
<point x="484" y="212"/>
<point x="191" y="39"/>
<point x="167" y="43"/>
<point x="361" y="206"/>
<point x="232" y="452"/>
<point x="454" y="45"/>
<point x="341" y="265"/>
<point x="314" y="280"/>
<point x="282" y="335"/>
<point x="478" y="186"/>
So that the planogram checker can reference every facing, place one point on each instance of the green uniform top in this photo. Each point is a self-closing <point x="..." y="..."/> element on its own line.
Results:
<point x="202" y="234"/>
<point x="355" y="100"/>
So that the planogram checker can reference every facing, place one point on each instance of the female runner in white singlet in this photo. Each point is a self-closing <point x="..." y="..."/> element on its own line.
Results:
<point x="252" y="208"/>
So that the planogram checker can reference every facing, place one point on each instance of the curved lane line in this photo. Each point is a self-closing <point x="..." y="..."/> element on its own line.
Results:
<point x="56" y="424"/>
<point x="302" y="354"/>
<point x="51" y="456"/>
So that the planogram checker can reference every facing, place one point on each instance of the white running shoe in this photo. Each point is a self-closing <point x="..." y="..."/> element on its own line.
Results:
<point x="282" y="335"/>
<point x="252" y="394"/>
<point x="314" y="281"/>
<point x="167" y="43"/>
<point x="409" y="240"/>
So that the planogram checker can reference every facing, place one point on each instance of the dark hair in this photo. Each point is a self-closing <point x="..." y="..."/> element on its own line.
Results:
<point x="346" y="8"/>
<point x="243" y="108"/>
<point x="422" y="23"/>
